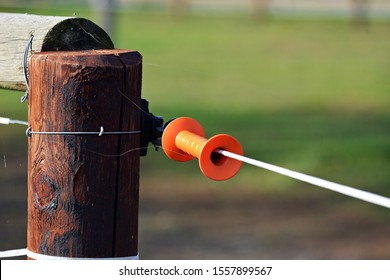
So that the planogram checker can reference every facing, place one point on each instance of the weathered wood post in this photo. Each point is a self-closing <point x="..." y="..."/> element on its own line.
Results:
<point x="85" y="117"/>
<point x="50" y="34"/>
<point x="82" y="194"/>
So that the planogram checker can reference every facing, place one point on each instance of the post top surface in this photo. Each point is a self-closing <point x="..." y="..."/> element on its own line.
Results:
<point x="90" y="57"/>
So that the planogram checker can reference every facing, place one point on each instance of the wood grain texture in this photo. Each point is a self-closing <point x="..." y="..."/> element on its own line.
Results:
<point x="82" y="197"/>
<point x="50" y="33"/>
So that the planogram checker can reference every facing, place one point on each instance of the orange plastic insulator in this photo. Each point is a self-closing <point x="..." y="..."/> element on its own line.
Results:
<point x="184" y="139"/>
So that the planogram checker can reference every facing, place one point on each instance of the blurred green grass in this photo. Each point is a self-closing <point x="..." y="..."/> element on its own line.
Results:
<point x="260" y="66"/>
<point x="307" y="95"/>
<point x="312" y="96"/>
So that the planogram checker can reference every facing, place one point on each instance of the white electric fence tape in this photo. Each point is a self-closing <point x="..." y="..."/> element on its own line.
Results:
<point x="359" y="194"/>
<point x="13" y="253"/>
<point x="36" y="256"/>
<point x="8" y="121"/>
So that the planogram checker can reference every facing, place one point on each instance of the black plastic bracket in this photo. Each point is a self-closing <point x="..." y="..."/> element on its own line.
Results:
<point x="152" y="128"/>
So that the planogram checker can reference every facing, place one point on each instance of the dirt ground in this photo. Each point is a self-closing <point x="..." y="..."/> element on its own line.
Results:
<point x="206" y="224"/>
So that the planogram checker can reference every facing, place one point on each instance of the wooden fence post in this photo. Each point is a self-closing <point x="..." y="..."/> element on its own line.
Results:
<point x="82" y="195"/>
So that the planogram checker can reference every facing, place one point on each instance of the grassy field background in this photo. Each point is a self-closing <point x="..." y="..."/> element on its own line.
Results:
<point x="311" y="96"/>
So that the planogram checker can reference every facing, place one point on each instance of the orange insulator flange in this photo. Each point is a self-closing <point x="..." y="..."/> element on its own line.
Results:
<point x="184" y="139"/>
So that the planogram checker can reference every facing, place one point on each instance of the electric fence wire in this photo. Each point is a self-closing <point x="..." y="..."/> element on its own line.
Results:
<point x="346" y="190"/>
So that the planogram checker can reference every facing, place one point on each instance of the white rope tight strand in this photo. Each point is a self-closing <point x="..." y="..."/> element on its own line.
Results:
<point x="8" y="121"/>
<point x="13" y="253"/>
<point x="349" y="191"/>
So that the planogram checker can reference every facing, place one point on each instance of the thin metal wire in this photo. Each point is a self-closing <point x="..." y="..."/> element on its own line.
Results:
<point x="29" y="132"/>
<point x="25" y="70"/>
<point x="349" y="191"/>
